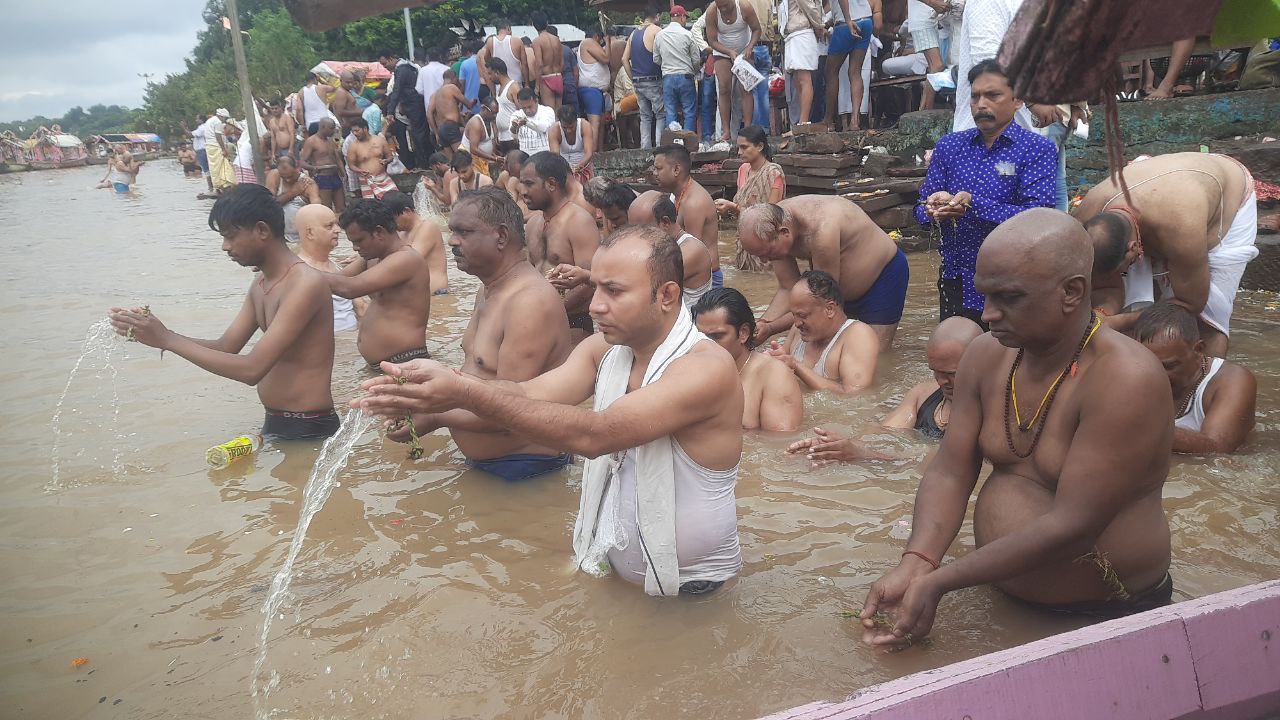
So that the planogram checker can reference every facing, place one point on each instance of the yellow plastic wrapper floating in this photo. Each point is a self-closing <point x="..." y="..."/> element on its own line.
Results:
<point x="220" y="456"/>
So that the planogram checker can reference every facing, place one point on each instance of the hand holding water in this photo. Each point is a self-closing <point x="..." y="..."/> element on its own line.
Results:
<point x="417" y="386"/>
<point x="826" y="448"/>
<point x="565" y="277"/>
<point x="911" y="600"/>
<point x="140" y="325"/>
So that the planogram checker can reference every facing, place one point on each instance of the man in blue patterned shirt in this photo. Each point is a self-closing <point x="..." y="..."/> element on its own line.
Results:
<point x="978" y="178"/>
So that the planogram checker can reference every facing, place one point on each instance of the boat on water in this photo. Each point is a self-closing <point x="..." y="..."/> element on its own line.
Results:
<point x="143" y="146"/>
<point x="13" y="154"/>
<point x="50" y="148"/>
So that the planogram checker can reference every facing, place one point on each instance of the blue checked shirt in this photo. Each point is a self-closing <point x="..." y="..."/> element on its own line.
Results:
<point x="1018" y="172"/>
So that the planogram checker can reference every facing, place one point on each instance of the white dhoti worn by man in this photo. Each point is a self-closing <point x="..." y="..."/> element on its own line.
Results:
<point x="801" y="51"/>
<point x="651" y="513"/>
<point x="1227" y="262"/>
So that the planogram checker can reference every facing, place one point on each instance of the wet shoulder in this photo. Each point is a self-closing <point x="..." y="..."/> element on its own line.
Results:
<point x="985" y="358"/>
<point x="1122" y="361"/>
<point x="858" y="333"/>
<point x="768" y="370"/>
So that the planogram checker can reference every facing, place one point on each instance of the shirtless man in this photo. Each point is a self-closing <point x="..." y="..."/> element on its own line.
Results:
<point x="509" y="178"/>
<point x="447" y="104"/>
<point x="344" y="101"/>
<point x="561" y="233"/>
<point x="517" y="331"/>
<point x="610" y="202"/>
<point x="320" y="158"/>
<point x="368" y="158"/>
<point x="838" y="238"/>
<point x="439" y="164"/>
<point x="293" y="190"/>
<point x="695" y="209"/>
<point x="189" y="162"/>
<point x="282" y="133"/>
<point x="423" y="236"/>
<point x="1071" y="521"/>
<point x="655" y="208"/>
<point x="1186" y="238"/>
<point x="317" y="238"/>
<point x="1213" y="400"/>
<point x="292" y="363"/>
<point x="772" y="399"/>
<point x="396" y="279"/>
<point x="548" y="53"/>
<point x="666" y="422"/>
<point x="289" y="184"/>
<point x="926" y="407"/>
<point x="826" y="349"/>
<point x="465" y="176"/>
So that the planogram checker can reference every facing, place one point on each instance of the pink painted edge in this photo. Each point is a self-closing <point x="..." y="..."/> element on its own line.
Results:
<point x="881" y="699"/>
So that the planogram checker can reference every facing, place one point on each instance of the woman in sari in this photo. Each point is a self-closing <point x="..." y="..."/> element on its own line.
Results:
<point x="760" y="180"/>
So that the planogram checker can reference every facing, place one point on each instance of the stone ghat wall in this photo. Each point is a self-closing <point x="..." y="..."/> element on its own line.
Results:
<point x="886" y="161"/>
<point x="1152" y="127"/>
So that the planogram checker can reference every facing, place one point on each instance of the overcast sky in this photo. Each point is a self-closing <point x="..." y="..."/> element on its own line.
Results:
<point x="54" y="56"/>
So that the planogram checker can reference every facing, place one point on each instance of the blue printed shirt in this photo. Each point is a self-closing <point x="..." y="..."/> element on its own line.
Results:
<point x="1018" y="172"/>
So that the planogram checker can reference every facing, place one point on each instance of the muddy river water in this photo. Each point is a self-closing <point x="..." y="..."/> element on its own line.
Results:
<point x="427" y="590"/>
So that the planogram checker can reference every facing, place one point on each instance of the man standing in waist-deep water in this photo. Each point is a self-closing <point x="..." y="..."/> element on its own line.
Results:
<point x="292" y="364"/>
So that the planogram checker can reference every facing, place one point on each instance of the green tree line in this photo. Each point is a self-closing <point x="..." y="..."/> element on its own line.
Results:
<point x="79" y="121"/>
<point x="279" y="53"/>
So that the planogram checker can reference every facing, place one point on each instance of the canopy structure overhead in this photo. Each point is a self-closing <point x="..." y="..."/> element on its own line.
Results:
<point x="334" y="68"/>
<point x="1066" y="50"/>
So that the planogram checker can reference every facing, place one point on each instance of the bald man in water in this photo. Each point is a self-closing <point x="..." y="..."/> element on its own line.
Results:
<point x="1184" y="235"/>
<point x="1070" y="519"/>
<point x="838" y="238"/>
<point x="317" y="237"/>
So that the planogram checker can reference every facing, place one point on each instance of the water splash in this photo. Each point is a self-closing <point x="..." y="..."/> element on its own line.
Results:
<point x="333" y="456"/>
<point x="101" y="348"/>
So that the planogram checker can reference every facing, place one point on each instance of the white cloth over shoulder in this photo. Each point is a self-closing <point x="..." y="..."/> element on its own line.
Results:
<point x="597" y="529"/>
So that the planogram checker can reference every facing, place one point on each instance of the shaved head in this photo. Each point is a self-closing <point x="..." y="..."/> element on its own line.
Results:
<point x="946" y="348"/>
<point x="317" y="227"/>
<point x="641" y="210"/>
<point x="1044" y="241"/>
<point x="1034" y="270"/>
<point x="955" y="331"/>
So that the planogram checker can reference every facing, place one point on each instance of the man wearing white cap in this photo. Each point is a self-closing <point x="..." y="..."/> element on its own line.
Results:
<point x="220" y="171"/>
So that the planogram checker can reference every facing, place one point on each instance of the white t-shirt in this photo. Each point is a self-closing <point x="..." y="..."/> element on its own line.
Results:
<point x="197" y="138"/>
<point x="532" y="136"/>
<point x="212" y="128"/>
<point x="430" y="79"/>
